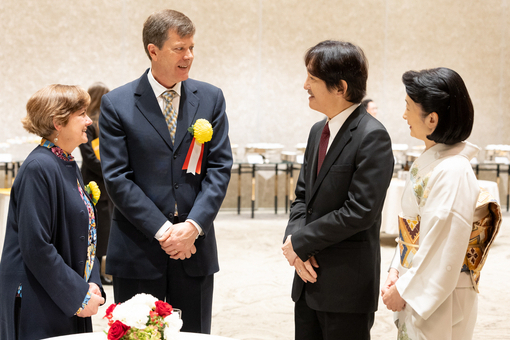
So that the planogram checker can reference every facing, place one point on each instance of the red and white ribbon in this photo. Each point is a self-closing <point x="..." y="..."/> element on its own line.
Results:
<point x="193" y="162"/>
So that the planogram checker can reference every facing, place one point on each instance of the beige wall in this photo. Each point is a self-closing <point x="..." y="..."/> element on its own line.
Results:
<point x="253" y="50"/>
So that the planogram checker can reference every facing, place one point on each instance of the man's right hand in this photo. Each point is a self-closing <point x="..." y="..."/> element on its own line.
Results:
<point x="178" y="241"/>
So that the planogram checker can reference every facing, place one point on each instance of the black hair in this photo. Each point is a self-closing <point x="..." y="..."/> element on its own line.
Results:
<point x="443" y="91"/>
<point x="365" y="102"/>
<point x="333" y="61"/>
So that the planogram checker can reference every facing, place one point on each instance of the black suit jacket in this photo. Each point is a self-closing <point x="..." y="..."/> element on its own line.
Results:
<point x="91" y="166"/>
<point x="144" y="177"/>
<point x="336" y="216"/>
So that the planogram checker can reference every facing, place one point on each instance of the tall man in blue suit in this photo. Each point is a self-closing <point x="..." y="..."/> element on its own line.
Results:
<point x="162" y="239"/>
<point x="332" y="238"/>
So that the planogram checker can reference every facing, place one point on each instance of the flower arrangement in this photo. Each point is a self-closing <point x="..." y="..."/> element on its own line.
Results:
<point x="93" y="190"/>
<point x="142" y="317"/>
<point x="202" y="132"/>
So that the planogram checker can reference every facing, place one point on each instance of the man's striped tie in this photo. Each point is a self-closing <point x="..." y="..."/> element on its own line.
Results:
<point x="169" y="113"/>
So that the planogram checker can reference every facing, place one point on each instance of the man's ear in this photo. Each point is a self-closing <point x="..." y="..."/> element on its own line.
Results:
<point x="342" y="89"/>
<point x="153" y="51"/>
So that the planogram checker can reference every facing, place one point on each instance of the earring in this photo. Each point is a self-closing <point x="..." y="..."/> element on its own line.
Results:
<point x="56" y="138"/>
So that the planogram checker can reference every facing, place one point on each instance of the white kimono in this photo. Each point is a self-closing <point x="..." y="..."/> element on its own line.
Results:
<point x="441" y="302"/>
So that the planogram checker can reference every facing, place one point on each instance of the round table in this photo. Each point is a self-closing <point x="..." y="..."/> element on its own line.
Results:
<point x="392" y="206"/>
<point x="102" y="336"/>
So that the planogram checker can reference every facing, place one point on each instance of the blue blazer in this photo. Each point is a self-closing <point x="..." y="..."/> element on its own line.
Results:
<point x="144" y="177"/>
<point x="336" y="216"/>
<point x="45" y="250"/>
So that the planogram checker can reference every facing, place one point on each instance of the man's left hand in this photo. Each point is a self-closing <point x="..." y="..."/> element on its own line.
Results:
<point x="180" y="244"/>
<point x="305" y="270"/>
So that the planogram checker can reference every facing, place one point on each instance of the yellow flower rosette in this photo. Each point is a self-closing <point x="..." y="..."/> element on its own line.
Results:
<point x="202" y="131"/>
<point x="93" y="190"/>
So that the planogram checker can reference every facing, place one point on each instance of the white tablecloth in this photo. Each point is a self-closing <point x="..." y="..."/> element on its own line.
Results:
<point x="491" y="187"/>
<point x="102" y="336"/>
<point x="391" y="208"/>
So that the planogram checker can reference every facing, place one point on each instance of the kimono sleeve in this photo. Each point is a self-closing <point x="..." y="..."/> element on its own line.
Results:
<point x="445" y="228"/>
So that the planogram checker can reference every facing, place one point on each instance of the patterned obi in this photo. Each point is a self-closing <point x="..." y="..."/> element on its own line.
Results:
<point x="484" y="230"/>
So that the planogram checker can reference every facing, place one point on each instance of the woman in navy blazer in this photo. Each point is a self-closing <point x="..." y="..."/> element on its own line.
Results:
<point x="91" y="171"/>
<point x="49" y="278"/>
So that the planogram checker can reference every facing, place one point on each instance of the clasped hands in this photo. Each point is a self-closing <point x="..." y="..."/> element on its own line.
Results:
<point x="179" y="241"/>
<point x="303" y="269"/>
<point x="390" y="295"/>
<point x="96" y="300"/>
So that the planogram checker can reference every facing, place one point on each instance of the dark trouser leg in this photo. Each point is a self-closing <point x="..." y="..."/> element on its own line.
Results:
<point x="316" y="325"/>
<point x="192" y="295"/>
<point x="125" y="289"/>
<point x="306" y="323"/>
<point x="346" y="326"/>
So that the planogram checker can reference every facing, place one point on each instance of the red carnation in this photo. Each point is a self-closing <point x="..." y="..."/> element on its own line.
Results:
<point x="153" y="315"/>
<point x="117" y="330"/>
<point x="163" y="308"/>
<point x="109" y="311"/>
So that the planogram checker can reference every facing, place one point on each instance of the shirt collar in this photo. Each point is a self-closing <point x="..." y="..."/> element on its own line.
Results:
<point x="335" y="123"/>
<point x="160" y="89"/>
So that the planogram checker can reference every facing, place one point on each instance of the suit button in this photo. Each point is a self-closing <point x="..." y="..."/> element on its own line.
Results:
<point x="310" y="211"/>
<point x="81" y="262"/>
<point x="82" y="238"/>
<point x="175" y="156"/>
<point x="176" y="186"/>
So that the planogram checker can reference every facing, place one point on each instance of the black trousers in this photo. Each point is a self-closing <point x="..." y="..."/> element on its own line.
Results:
<point x="192" y="295"/>
<point x="315" y="325"/>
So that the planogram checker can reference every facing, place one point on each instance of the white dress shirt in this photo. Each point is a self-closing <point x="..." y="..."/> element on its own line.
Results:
<point x="336" y="123"/>
<point x="158" y="91"/>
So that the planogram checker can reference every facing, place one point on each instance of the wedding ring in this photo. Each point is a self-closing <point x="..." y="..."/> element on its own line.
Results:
<point x="299" y="271"/>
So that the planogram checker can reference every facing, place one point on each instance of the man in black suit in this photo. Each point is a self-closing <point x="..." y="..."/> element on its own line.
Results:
<point x="162" y="239"/>
<point x="332" y="238"/>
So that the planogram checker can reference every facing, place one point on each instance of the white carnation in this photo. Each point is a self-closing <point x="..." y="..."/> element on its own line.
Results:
<point x="135" y="311"/>
<point x="141" y="299"/>
<point x="173" y="325"/>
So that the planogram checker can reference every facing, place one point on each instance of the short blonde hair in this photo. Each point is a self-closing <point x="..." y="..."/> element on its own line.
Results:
<point x="53" y="103"/>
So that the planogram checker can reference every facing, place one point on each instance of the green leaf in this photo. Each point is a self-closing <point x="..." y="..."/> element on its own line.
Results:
<point x="190" y="130"/>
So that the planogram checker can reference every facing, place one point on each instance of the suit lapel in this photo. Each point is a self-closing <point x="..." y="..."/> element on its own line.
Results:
<point x="149" y="107"/>
<point x="342" y="138"/>
<point x="187" y="110"/>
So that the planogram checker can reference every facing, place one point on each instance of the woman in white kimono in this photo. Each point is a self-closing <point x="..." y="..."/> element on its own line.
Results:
<point x="429" y="283"/>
